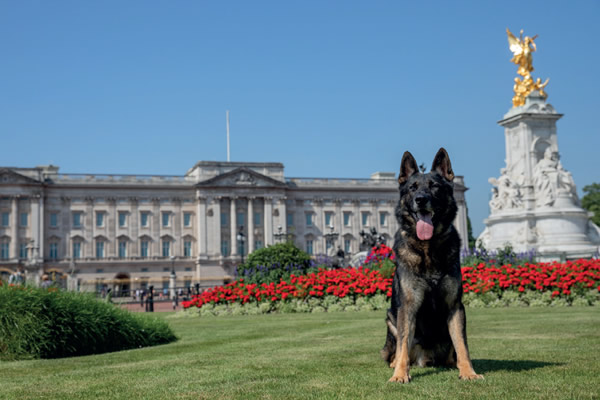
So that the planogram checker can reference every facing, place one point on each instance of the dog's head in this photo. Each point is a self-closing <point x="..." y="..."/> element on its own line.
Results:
<point x="427" y="204"/>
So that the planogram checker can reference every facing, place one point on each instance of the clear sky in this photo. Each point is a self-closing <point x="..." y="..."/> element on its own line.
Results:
<point x="329" y="88"/>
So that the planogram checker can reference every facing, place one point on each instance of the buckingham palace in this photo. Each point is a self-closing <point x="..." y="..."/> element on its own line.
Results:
<point x="131" y="231"/>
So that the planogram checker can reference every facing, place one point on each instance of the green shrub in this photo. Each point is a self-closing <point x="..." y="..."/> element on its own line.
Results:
<point x="48" y="323"/>
<point x="275" y="262"/>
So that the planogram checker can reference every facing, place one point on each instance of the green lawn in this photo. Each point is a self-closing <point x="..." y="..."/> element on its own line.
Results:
<point x="524" y="353"/>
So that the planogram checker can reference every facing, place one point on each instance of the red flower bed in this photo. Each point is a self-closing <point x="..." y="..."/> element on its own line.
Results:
<point x="560" y="278"/>
<point x="338" y="282"/>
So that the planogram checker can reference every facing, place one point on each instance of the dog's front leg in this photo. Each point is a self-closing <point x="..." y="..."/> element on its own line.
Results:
<point x="405" y="326"/>
<point x="457" y="325"/>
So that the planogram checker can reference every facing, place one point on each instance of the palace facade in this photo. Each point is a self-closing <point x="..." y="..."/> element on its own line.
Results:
<point x="132" y="231"/>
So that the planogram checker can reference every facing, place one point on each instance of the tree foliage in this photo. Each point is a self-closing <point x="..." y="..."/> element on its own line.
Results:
<point x="591" y="201"/>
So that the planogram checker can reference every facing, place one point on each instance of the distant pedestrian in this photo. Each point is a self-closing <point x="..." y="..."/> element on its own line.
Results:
<point x="46" y="282"/>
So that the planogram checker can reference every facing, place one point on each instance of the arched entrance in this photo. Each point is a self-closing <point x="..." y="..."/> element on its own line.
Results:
<point x="122" y="285"/>
<point x="5" y="273"/>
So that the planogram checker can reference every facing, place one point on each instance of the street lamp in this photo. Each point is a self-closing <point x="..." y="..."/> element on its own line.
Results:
<point x="241" y="238"/>
<point x="280" y="234"/>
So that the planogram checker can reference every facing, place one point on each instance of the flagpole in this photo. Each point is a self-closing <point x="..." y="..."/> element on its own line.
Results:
<point x="228" y="154"/>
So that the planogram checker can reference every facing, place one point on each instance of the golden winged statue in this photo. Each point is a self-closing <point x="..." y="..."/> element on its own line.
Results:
<point x="522" y="49"/>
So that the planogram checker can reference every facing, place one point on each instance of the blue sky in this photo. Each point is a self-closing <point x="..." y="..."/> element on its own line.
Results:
<point x="329" y="88"/>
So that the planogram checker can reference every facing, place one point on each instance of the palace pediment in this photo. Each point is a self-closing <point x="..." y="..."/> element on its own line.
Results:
<point x="10" y="177"/>
<point x="240" y="178"/>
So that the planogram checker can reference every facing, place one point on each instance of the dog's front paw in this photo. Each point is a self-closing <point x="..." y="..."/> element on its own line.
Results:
<point x="402" y="378"/>
<point x="470" y="377"/>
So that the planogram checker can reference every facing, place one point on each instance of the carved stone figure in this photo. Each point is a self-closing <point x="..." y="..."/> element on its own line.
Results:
<point x="550" y="178"/>
<point x="505" y="193"/>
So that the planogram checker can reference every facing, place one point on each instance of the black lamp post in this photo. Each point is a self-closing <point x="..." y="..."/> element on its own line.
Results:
<point x="241" y="238"/>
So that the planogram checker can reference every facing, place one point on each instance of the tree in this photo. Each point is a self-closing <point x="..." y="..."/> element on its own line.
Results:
<point x="591" y="201"/>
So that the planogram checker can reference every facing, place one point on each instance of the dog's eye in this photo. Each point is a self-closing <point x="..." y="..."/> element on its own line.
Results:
<point x="434" y="185"/>
<point x="413" y="187"/>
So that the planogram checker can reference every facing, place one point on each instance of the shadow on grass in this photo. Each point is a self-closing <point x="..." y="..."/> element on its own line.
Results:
<point x="482" y="365"/>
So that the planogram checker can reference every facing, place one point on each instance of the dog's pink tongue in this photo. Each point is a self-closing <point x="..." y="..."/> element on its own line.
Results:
<point x="424" y="227"/>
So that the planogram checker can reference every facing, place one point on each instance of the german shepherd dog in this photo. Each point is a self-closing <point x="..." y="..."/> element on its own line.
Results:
<point x="426" y="322"/>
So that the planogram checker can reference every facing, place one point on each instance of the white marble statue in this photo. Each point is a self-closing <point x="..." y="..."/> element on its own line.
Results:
<point x="506" y="193"/>
<point x="550" y="179"/>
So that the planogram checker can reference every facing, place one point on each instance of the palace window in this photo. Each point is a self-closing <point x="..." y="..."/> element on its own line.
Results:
<point x="187" y="248"/>
<point x="23" y="219"/>
<point x="382" y="219"/>
<point x="23" y="251"/>
<point x="99" y="249"/>
<point x="76" y="250"/>
<point x="122" y="219"/>
<point x="53" y="220"/>
<point x="4" y="254"/>
<point x="347" y="218"/>
<point x="365" y="218"/>
<point x="100" y="219"/>
<point x="347" y="246"/>
<point x="309" y="219"/>
<point x="144" y="219"/>
<point x="144" y="249"/>
<point x="224" y="219"/>
<point x="122" y="248"/>
<point x="258" y="244"/>
<point x="166" y="218"/>
<point x="77" y="219"/>
<point x="257" y="219"/>
<point x="290" y="219"/>
<point x="309" y="247"/>
<point x="328" y="216"/>
<point x="53" y="254"/>
<point x="224" y="248"/>
<point x="5" y="219"/>
<point x="166" y="248"/>
<point x="187" y="219"/>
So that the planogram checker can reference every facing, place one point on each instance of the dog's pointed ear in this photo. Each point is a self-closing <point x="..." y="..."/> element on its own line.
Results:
<point x="441" y="165"/>
<point x="408" y="167"/>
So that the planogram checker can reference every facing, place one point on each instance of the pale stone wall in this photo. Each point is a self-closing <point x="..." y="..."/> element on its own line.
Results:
<point x="207" y="191"/>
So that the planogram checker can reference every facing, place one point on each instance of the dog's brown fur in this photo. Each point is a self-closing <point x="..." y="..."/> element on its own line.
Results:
<point x="426" y="322"/>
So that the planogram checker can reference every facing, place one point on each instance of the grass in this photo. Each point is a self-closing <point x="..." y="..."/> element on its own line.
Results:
<point x="524" y="353"/>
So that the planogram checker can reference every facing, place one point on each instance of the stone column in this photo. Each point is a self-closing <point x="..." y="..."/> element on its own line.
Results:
<point x="232" y="227"/>
<point x="34" y="227"/>
<point x="268" y="210"/>
<point x="177" y="228"/>
<point x="319" y="223"/>
<point x="201" y="229"/>
<point x="155" y="228"/>
<point x="355" y="222"/>
<point x="88" y="230"/>
<point x="250" y="225"/>
<point x="134" y="227"/>
<point x="41" y="238"/>
<point x="214" y="229"/>
<point x="14" y="228"/>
